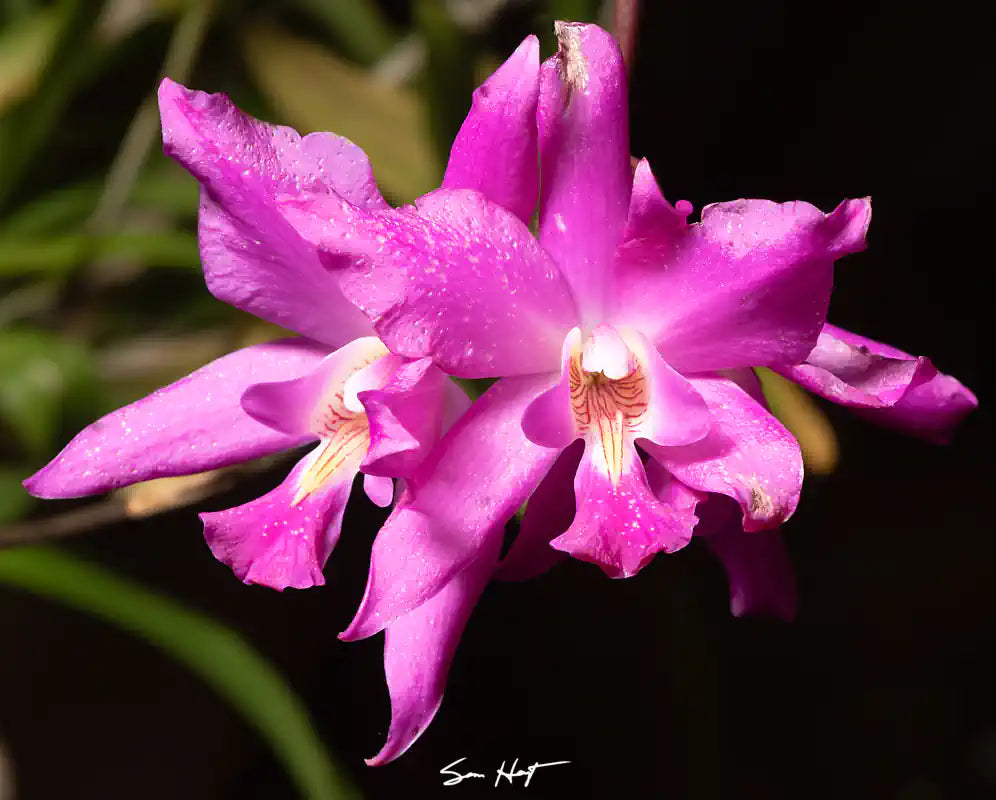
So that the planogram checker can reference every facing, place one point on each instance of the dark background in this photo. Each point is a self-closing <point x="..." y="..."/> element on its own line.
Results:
<point x="883" y="688"/>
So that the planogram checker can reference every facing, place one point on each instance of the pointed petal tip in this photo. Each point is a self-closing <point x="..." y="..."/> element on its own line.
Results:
<point x="849" y="223"/>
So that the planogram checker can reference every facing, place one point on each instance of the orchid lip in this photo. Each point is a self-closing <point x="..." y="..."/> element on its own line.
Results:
<point x="339" y="421"/>
<point x="609" y="396"/>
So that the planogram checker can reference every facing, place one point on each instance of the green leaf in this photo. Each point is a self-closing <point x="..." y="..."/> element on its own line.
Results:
<point x="43" y="376"/>
<point x="14" y="500"/>
<point x="357" y="26"/>
<point x="448" y="80"/>
<point x="25" y="48"/>
<point x="26" y="255"/>
<point x="215" y="653"/>
<point x="313" y="90"/>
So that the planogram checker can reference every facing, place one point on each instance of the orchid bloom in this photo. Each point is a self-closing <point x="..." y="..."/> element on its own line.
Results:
<point x="622" y="338"/>
<point x="368" y="410"/>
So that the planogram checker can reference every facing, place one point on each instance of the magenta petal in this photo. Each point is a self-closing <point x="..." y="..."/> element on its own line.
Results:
<point x="193" y="425"/>
<point x="406" y="417"/>
<point x="584" y="158"/>
<point x="495" y="151"/>
<point x="549" y="419"/>
<point x="475" y="479"/>
<point x="890" y="387"/>
<point x="418" y="651"/>
<point x="458" y="278"/>
<point x="749" y="456"/>
<point x="253" y="259"/>
<point x="747" y="286"/>
<point x="549" y="513"/>
<point x="757" y="565"/>
<point x="621" y="527"/>
<point x="273" y="541"/>
<point x="853" y="375"/>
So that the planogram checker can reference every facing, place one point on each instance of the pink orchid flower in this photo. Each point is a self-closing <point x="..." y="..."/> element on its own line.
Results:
<point x="623" y="338"/>
<point x="368" y="410"/>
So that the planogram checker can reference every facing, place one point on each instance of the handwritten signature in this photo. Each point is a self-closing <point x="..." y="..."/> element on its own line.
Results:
<point x="509" y="774"/>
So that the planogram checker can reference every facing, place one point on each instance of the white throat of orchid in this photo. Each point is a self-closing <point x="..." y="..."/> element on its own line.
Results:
<point x="609" y="395"/>
<point x="338" y="418"/>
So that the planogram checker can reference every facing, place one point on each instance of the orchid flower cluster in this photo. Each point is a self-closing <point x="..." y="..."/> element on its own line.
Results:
<point x="625" y="414"/>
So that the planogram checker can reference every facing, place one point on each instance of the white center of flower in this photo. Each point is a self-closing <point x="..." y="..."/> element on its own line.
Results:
<point x="609" y="396"/>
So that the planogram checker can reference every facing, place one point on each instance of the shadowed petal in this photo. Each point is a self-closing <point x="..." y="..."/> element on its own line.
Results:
<point x="253" y="259"/>
<point x="457" y="278"/>
<point x="495" y="151"/>
<point x="747" y="286"/>
<point x="277" y="542"/>
<point x="890" y="387"/>
<point x="474" y="479"/>
<point x="757" y="566"/>
<point x="193" y="425"/>
<point x="622" y="526"/>
<point x="549" y="513"/>
<point x="407" y="416"/>
<point x="419" y="648"/>
<point x="584" y="157"/>
<point x="749" y="456"/>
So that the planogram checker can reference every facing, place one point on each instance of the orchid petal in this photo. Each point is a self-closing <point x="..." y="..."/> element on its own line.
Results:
<point x="299" y="407"/>
<point x="458" y="278"/>
<point x="253" y="259"/>
<point x="749" y="456"/>
<point x="853" y="375"/>
<point x="406" y="417"/>
<point x="584" y="158"/>
<point x="279" y="540"/>
<point x="419" y="648"/>
<point x="676" y="414"/>
<point x="890" y="387"/>
<point x="621" y="526"/>
<point x="495" y="151"/>
<point x="193" y="425"/>
<point x="474" y="479"/>
<point x="549" y="419"/>
<point x="747" y="286"/>
<point x="549" y="512"/>
<point x="380" y="490"/>
<point x="757" y="566"/>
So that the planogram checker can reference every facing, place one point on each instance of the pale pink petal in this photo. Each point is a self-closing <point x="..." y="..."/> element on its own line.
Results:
<point x="406" y="417"/>
<point x="380" y="490"/>
<point x="495" y="151"/>
<point x="621" y="527"/>
<point x="193" y="425"/>
<point x="276" y="542"/>
<point x="747" y="286"/>
<point x="549" y="512"/>
<point x="853" y="375"/>
<point x="253" y="258"/>
<point x="474" y="479"/>
<point x="890" y="387"/>
<point x="677" y="414"/>
<point x="585" y="162"/>
<point x="749" y="456"/>
<point x="419" y="648"/>
<point x="457" y="278"/>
